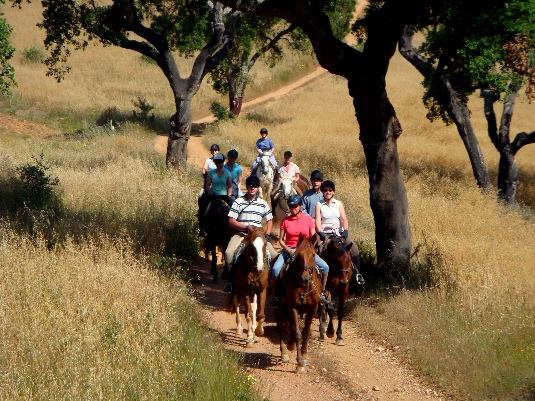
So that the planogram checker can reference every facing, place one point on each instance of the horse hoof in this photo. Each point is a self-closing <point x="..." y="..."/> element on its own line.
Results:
<point x="259" y="331"/>
<point x="215" y="280"/>
<point x="339" y="341"/>
<point x="330" y="335"/>
<point x="322" y="337"/>
<point x="300" y="369"/>
<point x="285" y="358"/>
<point x="305" y="362"/>
<point x="249" y="344"/>
<point x="291" y="347"/>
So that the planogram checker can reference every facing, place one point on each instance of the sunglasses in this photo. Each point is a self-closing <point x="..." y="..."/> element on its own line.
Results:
<point x="252" y="186"/>
<point x="327" y="190"/>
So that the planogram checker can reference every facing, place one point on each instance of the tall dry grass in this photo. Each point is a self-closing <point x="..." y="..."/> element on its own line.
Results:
<point x="93" y="305"/>
<point x="470" y="328"/>
<point x="106" y="77"/>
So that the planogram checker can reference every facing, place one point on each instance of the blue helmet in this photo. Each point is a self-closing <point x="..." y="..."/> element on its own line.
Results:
<point x="295" y="200"/>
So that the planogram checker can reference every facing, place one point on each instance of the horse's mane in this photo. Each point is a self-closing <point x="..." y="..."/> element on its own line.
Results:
<point x="304" y="243"/>
<point x="336" y="250"/>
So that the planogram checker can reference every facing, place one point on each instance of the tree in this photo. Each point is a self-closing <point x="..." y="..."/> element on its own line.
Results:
<point x="258" y="36"/>
<point x="162" y="26"/>
<point x="7" y="72"/>
<point x="487" y="48"/>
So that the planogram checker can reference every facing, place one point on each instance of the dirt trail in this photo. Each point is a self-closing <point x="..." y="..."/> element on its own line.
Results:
<point x="362" y="369"/>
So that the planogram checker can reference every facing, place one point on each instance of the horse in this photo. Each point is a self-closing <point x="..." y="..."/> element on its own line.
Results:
<point x="337" y="255"/>
<point x="300" y="296"/>
<point x="279" y="198"/>
<point x="266" y="173"/>
<point x="218" y="234"/>
<point x="250" y="282"/>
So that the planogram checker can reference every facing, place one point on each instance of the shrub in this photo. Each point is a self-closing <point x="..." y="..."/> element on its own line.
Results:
<point x="144" y="109"/>
<point x="33" y="55"/>
<point x="220" y="112"/>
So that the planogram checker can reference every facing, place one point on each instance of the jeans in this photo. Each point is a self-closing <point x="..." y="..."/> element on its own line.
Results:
<point x="283" y="258"/>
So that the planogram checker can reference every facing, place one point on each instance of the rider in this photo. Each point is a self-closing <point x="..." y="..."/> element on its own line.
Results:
<point x="331" y="216"/>
<point x="288" y="169"/>
<point x="248" y="210"/>
<point x="209" y="162"/>
<point x="218" y="186"/>
<point x="236" y="172"/>
<point x="313" y="195"/>
<point x="293" y="227"/>
<point x="264" y="144"/>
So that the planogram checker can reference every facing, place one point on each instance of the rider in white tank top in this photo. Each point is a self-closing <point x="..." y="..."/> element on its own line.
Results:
<point x="330" y="214"/>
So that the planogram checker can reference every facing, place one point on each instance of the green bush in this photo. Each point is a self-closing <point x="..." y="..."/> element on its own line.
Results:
<point x="144" y="109"/>
<point x="220" y="112"/>
<point x="33" y="55"/>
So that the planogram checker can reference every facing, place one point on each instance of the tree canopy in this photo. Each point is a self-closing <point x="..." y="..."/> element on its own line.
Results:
<point x="7" y="72"/>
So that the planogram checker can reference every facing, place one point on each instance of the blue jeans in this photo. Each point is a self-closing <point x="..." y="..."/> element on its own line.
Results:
<point x="283" y="257"/>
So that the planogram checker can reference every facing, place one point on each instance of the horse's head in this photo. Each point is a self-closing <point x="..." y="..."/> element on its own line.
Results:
<point x="304" y="264"/>
<point x="266" y="164"/>
<point x="285" y="188"/>
<point x="255" y="249"/>
<point x="338" y="252"/>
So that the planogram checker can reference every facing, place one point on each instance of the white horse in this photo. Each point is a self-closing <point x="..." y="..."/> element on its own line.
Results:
<point x="266" y="173"/>
<point x="280" y="197"/>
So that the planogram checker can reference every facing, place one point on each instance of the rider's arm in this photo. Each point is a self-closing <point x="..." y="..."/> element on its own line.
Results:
<point x="269" y="226"/>
<point x="239" y="179"/>
<point x="296" y="178"/>
<point x="208" y="186"/>
<point x="205" y="167"/>
<point x="229" y="186"/>
<point x="233" y="223"/>
<point x="318" y="218"/>
<point x="282" y="238"/>
<point x="343" y="217"/>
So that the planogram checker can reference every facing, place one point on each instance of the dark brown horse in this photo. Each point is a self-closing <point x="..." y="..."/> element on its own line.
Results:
<point x="250" y="281"/>
<point x="217" y="234"/>
<point x="301" y="288"/>
<point x="336" y="254"/>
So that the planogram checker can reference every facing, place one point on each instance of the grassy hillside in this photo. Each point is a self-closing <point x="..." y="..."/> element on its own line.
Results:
<point x="470" y="325"/>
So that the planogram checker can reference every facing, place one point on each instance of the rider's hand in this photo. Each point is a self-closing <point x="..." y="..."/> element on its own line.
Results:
<point x="268" y="237"/>
<point x="232" y="198"/>
<point x="344" y="234"/>
<point x="321" y="234"/>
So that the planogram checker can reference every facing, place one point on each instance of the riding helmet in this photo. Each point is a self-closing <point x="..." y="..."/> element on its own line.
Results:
<point x="327" y="184"/>
<point x="232" y="153"/>
<point x="219" y="157"/>
<point x="316" y="175"/>
<point x="287" y="154"/>
<point x="294" y="200"/>
<point x="215" y="146"/>
<point x="263" y="130"/>
<point x="252" y="180"/>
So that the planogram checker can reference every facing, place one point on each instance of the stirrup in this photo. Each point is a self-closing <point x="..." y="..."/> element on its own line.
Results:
<point x="227" y="288"/>
<point x="273" y="302"/>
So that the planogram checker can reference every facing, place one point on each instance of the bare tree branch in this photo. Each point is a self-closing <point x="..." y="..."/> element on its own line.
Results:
<point x="521" y="140"/>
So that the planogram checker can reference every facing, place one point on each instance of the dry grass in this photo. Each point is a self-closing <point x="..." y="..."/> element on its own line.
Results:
<point x="104" y="77"/>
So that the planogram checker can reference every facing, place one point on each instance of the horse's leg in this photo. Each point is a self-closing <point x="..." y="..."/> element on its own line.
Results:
<point x="261" y="316"/>
<point x="306" y="335"/>
<point x="279" y="317"/>
<point x="248" y="317"/>
<point x="294" y="321"/>
<point x="239" y="328"/>
<point x="330" y="328"/>
<point x="322" y="316"/>
<point x="254" y="308"/>
<point x="341" y="303"/>
<point x="213" y="270"/>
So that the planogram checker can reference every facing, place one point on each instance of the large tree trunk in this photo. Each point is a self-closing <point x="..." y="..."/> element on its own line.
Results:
<point x="458" y="113"/>
<point x="177" y="142"/>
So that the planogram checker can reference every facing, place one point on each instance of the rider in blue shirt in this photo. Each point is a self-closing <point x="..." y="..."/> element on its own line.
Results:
<point x="313" y="195"/>
<point x="235" y="170"/>
<point x="264" y="144"/>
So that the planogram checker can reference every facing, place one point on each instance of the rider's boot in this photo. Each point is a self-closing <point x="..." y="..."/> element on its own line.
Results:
<point x="274" y="301"/>
<point x="228" y="287"/>
<point x="356" y="271"/>
<point x="325" y="299"/>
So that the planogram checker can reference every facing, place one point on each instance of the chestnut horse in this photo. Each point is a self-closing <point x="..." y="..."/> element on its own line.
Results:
<point x="217" y="234"/>
<point x="336" y="254"/>
<point x="249" y="283"/>
<point x="300" y="296"/>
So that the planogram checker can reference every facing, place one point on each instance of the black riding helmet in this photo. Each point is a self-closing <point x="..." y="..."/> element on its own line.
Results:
<point x="316" y="175"/>
<point x="327" y="184"/>
<point x="263" y="130"/>
<point x="287" y="154"/>
<point x="232" y="153"/>
<point x="295" y="200"/>
<point x="252" y="180"/>
<point x="215" y="146"/>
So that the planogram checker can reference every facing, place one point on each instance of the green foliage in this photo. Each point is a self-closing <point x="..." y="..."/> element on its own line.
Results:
<point x="33" y="54"/>
<point x="148" y="60"/>
<point x="7" y="72"/>
<point x="221" y="112"/>
<point x="144" y="109"/>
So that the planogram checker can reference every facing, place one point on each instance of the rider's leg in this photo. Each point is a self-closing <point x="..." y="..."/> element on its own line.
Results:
<point x="277" y="266"/>
<point x="272" y="160"/>
<point x="324" y="270"/>
<point x="355" y="258"/>
<point x="256" y="161"/>
<point x="204" y="201"/>
<point x="233" y="244"/>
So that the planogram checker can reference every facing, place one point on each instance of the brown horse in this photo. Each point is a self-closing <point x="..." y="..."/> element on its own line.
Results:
<point x="249" y="283"/>
<point x="301" y="288"/>
<point x="336" y="254"/>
